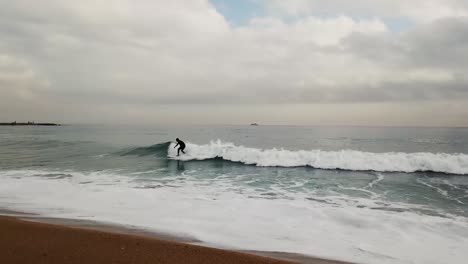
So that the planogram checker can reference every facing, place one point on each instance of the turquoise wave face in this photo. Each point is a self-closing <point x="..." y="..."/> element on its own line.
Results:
<point x="158" y="150"/>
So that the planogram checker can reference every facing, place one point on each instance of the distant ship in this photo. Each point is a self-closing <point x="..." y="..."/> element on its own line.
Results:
<point x="254" y="124"/>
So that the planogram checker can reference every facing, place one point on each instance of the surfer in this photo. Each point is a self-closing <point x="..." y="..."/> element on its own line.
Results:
<point x="181" y="145"/>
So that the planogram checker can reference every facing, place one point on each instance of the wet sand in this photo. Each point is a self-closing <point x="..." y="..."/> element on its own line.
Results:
<point x="75" y="241"/>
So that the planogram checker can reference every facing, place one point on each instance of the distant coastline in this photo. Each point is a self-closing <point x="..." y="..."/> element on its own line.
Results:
<point x="28" y="124"/>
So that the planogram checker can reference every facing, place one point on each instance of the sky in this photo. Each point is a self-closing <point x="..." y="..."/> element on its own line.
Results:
<point x="288" y="62"/>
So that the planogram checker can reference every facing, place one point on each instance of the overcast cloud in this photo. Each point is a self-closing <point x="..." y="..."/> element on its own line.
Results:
<point x="303" y="62"/>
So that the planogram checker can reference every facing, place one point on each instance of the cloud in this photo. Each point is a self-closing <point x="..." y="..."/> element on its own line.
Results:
<point x="419" y="11"/>
<point x="18" y="79"/>
<point x="135" y="55"/>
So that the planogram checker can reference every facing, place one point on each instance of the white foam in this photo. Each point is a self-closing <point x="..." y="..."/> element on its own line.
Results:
<point x="217" y="214"/>
<point x="344" y="159"/>
<point x="371" y="184"/>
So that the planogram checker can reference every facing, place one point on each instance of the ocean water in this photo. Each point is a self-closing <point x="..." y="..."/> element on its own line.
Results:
<point x="369" y="195"/>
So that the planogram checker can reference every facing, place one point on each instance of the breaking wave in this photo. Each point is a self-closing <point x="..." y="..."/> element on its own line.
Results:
<point x="343" y="159"/>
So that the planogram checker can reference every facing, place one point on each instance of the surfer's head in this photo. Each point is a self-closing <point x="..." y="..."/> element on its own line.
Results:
<point x="177" y="139"/>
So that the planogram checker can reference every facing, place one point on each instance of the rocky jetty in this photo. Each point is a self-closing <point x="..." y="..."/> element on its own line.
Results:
<point x="28" y="124"/>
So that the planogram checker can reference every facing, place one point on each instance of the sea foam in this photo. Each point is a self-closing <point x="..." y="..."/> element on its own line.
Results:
<point x="343" y="159"/>
<point x="218" y="215"/>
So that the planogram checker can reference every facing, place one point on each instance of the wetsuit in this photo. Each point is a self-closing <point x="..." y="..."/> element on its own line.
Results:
<point x="181" y="145"/>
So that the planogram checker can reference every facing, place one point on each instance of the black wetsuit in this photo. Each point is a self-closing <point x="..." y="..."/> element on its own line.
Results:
<point x="181" y="145"/>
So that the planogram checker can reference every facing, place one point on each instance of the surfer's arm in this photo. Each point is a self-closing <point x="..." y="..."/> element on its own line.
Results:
<point x="176" y="145"/>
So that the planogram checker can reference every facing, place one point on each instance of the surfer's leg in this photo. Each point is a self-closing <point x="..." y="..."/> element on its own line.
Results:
<point x="182" y="150"/>
<point x="178" y="150"/>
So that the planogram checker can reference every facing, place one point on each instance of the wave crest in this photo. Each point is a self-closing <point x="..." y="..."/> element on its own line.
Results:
<point x="343" y="159"/>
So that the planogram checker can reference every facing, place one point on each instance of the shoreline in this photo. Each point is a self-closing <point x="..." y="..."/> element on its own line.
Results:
<point x="42" y="230"/>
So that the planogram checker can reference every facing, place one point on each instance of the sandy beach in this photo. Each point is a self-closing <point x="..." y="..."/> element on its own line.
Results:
<point x="24" y="241"/>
